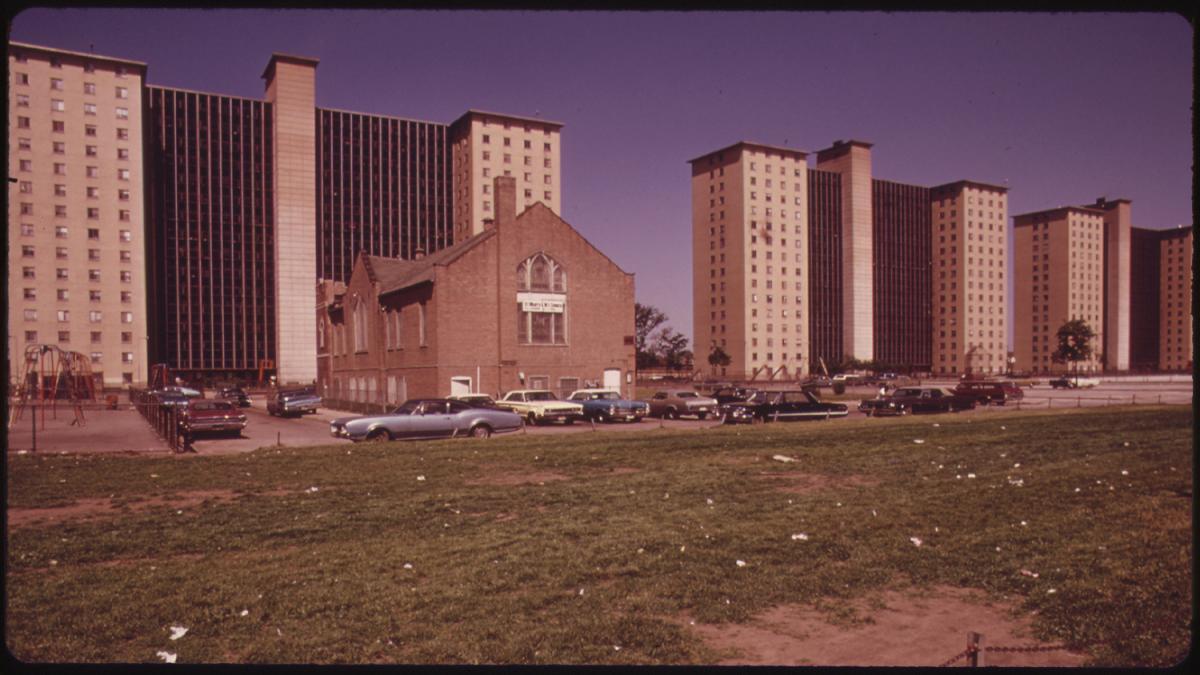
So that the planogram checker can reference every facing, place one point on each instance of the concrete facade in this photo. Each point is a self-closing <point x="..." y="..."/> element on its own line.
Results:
<point x="749" y="260"/>
<point x="1117" y="247"/>
<point x="527" y="303"/>
<point x="487" y="145"/>
<point x="1175" y="298"/>
<point x="970" y="247"/>
<point x="1059" y="269"/>
<point x="76" y="222"/>
<point x="291" y="89"/>
<point x="852" y="160"/>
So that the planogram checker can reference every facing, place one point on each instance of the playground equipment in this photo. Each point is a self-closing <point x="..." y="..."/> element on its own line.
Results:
<point x="51" y="374"/>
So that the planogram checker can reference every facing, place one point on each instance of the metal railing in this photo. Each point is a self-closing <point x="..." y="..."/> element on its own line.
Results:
<point x="974" y="653"/>
<point x="164" y="419"/>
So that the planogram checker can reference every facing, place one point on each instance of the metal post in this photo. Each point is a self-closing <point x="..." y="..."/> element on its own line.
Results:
<point x="974" y="649"/>
<point x="33" y="418"/>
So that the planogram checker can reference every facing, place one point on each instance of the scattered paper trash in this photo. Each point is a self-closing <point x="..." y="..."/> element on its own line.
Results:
<point x="312" y="489"/>
<point x="420" y="477"/>
<point x="935" y="424"/>
<point x="1024" y="524"/>
<point x="783" y="458"/>
<point x="682" y="549"/>
<point x="970" y="475"/>
<point x="709" y="501"/>
<point x="915" y="540"/>
<point x="178" y="632"/>
<point x="1051" y="590"/>
<point x="616" y="648"/>
<point x="244" y="612"/>
<point x="581" y="591"/>
<point x="918" y="441"/>
<point x="53" y="562"/>
<point x="166" y="656"/>
<point x="800" y="537"/>
<point x="408" y="566"/>
<point x="1029" y="574"/>
<point x="1003" y="428"/>
<point x="741" y="563"/>
<point x="1124" y="472"/>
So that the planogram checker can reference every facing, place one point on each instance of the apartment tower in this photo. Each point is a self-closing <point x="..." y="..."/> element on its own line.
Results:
<point x="486" y="145"/>
<point x="750" y="259"/>
<point x="969" y="248"/>
<point x="1059" y="264"/>
<point x="76" y="233"/>
<point x="1160" y="320"/>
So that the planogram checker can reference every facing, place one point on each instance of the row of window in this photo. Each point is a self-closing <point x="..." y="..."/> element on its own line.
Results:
<point x="60" y="169"/>
<point x="64" y="316"/>
<point x="60" y="127"/>
<point x="31" y="337"/>
<point x="57" y="84"/>
<point x="62" y="231"/>
<point x="527" y="160"/>
<point x="59" y="105"/>
<point x="93" y="274"/>
<point x="60" y="190"/>
<point x="487" y="139"/>
<point x="62" y="274"/>
<point x="60" y="148"/>
<point x="93" y="212"/>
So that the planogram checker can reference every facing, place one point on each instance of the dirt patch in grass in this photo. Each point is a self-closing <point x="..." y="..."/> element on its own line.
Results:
<point x="899" y="628"/>
<point x="517" y="478"/>
<point x="803" y="483"/>
<point x="87" y="509"/>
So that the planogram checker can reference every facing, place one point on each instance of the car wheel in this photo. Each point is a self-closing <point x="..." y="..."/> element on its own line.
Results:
<point x="902" y="411"/>
<point x="379" y="435"/>
<point x="702" y="415"/>
<point x="531" y="420"/>
<point x="671" y="414"/>
<point x="481" y="431"/>
<point x="867" y="412"/>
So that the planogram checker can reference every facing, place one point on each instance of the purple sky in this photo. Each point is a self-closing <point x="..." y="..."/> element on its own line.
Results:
<point x="1063" y="108"/>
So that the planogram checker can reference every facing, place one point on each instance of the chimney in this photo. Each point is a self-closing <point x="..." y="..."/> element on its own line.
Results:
<point x="505" y="188"/>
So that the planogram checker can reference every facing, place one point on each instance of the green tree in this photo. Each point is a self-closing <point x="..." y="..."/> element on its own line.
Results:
<point x="670" y="346"/>
<point x="718" y="358"/>
<point x="1074" y="343"/>
<point x="647" y="319"/>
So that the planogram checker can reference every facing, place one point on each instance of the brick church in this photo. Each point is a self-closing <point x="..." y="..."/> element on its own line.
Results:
<point x="526" y="303"/>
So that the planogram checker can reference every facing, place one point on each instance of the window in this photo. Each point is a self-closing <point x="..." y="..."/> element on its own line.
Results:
<point x="93" y="233"/>
<point x="122" y="92"/>
<point x="126" y="236"/>
<point x="24" y="144"/>
<point x="123" y="174"/>
<point x="25" y="165"/>
<point x="122" y="113"/>
<point x="58" y="126"/>
<point x="97" y="337"/>
<point x="64" y="316"/>
<point x="127" y="337"/>
<point x="22" y="100"/>
<point x="30" y="294"/>
<point x="126" y="297"/>
<point x="541" y="317"/>
<point x="89" y="130"/>
<point x="31" y="336"/>
<point x="122" y="153"/>
<point x="122" y="194"/>
<point x="97" y="357"/>
<point x="26" y="251"/>
<point x="28" y="273"/>
<point x="56" y="83"/>
<point x="64" y="336"/>
<point x="360" y="326"/>
<point x="89" y="88"/>
<point x="126" y="276"/>
<point x="95" y="316"/>
<point x="22" y="78"/>
<point x="126" y="256"/>
<point x="26" y="187"/>
<point x="57" y="105"/>
<point x="61" y="274"/>
<point x="93" y="213"/>
<point x="122" y="134"/>
<point x="94" y="296"/>
<point x="93" y="275"/>
<point x="126" y="317"/>
<point x="123" y="215"/>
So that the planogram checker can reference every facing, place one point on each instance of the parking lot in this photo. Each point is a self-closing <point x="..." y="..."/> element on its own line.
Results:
<point x="125" y="430"/>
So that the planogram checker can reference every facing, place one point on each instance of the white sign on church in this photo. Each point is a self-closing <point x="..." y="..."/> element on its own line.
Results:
<point x="553" y="303"/>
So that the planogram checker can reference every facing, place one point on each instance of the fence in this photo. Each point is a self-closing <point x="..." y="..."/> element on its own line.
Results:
<point x="974" y="653"/>
<point x="1078" y="401"/>
<point x="164" y="419"/>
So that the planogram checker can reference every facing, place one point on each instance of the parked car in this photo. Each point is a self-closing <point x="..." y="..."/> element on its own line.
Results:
<point x="782" y="406"/>
<point x="171" y="399"/>
<point x="427" y="418"/>
<point x="184" y="391"/>
<point x="990" y="392"/>
<point x="235" y="395"/>
<point x="476" y="400"/>
<point x="675" y="403"/>
<point x="293" y="402"/>
<point x="1074" y="382"/>
<point x="539" y="406"/>
<point x="907" y="400"/>
<point x="205" y="415"/>
<point x="606" y="405"/>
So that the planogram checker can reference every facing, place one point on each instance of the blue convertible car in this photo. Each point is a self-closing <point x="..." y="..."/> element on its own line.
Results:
<point x="427" y="418"/>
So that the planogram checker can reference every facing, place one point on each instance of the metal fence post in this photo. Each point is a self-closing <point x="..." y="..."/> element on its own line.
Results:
<point x="975" y="649"/>
<point x="33" y="417"/>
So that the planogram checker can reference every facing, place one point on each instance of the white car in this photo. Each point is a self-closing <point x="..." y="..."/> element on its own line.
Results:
<point x="1073" y="382"/>
<point x="539" y="406"/>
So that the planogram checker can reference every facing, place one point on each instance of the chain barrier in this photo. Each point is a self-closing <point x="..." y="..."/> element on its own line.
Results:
<point x="974" y="649"/>
<point x="957" y="657"/>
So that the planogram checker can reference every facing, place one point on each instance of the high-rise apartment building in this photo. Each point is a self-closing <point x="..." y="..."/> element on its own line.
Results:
<point x="486" y="145"/>
<point x="1059" y="265"/>
<point x="76" y="242"/>
<point x="969" y="247"/>
<point x="750" y="259"/>
<point x="1160" y="325"/>
<point x="249" y="202"/>
<point x="858" y="283"/>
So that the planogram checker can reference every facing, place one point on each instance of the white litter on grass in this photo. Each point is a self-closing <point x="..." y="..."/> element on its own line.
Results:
<point x="970" y="475"/>
<point x="958" y="475"/>
<point x="935" y="424"/>
<point x="666" y="495"/>
<point x="641" y="550"/>
<point x="1024" y="524"/>
<point x="1051" y="590"/>
<point x="916" y="541"/>
<point x="876" y="515"/>
<point x="312" y="489"/>
<point x="682" y="549"/>
<point x="941" y="466"/>
<point x="180" y="512"/>
<point x="420" y="477"/>
<point x="1127" y="444"/>
<point x="918" y="441"/>
<point x="244" y="612"/>
<point x="1029" y="574"/>
<point x="154" y="475"/>
<point x="408" y="566"/>
<point x="178" y="632"/>
<point x="166" y="656"/>
<point x="1003" y="428"/>
<point x="581" y="591"/>
<point x="997" y="549"/>
<point x="1017" y="465"/>
<point x="709" y="501"/>
<point x="741" y="563"/>
<point x="53" y="562"/>
<point x="616" y="648"/>
<point x="1077" y="489"/>
<point x="800" y="537"/>
<point x="1124" y="472"/>
<point x="22" y="452"/>
<point x="783" y="458"/>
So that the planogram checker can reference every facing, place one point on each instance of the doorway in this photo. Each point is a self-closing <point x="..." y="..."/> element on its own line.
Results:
<point x="612" y="379"/>
<point x="460" y="386"/>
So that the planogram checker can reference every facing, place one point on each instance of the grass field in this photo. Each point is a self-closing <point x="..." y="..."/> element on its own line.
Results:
<point x="559" y="549"/>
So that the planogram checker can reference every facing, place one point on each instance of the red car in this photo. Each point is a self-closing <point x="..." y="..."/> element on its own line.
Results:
<point x="208" y="415"/>
<point x="990" y="393"/>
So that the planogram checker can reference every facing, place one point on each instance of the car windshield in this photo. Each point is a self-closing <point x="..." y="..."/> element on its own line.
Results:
<point x="540" y="396"/>
<point x="407" y="408"/>
<point x="908" y="392"/>
<point x="211" y="405"/>
<point x="687" y="394"/>
<point x="606" y="396"/>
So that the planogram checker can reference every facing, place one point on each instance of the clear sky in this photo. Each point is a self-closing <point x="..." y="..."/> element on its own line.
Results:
<point x="1061" y="108"/>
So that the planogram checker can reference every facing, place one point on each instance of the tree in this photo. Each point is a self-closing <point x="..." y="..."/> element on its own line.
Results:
<point x="671" y="347"/>
<point x="718" y="358"/>
<point x="646" y="320"/>
<point x="1074" y="343"/>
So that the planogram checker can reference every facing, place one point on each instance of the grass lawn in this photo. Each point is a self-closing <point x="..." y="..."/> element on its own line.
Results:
<point x="558" y="549"/>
